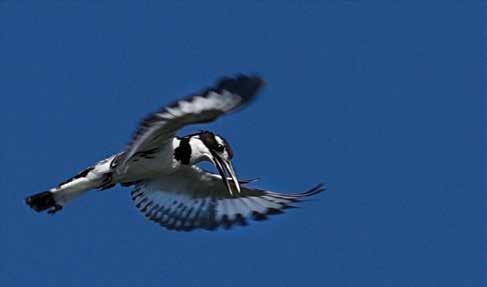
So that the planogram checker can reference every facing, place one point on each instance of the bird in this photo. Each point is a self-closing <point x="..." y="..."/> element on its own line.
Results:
<point x="168" y="186"/>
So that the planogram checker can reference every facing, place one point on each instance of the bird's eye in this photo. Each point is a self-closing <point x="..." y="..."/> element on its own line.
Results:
<point x="219" y="148"/>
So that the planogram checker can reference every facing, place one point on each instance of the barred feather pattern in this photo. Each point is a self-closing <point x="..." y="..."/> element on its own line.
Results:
<point x="184" y="206"/>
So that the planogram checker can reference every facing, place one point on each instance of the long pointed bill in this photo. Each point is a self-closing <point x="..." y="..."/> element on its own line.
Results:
<point x="229" y="168"/>
<point x="225" y="167"/>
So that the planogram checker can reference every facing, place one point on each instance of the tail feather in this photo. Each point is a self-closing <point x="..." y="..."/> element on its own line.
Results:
<point x="98" y="176"/>
<point x="43" y="201"/>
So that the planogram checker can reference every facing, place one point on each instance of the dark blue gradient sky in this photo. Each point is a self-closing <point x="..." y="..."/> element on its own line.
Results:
<point x="382" y="102"/>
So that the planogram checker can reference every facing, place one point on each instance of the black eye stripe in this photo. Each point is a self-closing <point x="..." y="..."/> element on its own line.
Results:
<point x="219" y="148"/>
<point x="210" y="141"/>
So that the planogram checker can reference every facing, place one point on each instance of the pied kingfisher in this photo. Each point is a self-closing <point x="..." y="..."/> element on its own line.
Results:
<point x="168" y="187"/>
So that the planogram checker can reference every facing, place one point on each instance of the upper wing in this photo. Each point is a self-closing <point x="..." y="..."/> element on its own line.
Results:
<point x="192" y="199"/>
<point x="227" y="95"/>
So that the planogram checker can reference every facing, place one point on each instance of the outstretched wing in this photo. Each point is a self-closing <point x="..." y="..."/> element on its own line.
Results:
<point x="227" y="95"/>
<point x="195" y="199"/>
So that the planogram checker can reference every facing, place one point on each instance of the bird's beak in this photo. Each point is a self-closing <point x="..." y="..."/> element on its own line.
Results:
<point x="225" y="167"/>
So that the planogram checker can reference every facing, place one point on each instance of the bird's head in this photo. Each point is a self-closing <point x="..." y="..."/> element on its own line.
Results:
<point x="206" y="146"/>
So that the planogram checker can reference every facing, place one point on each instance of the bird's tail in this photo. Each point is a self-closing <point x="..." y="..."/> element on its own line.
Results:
<point x="43" y="201"/>
<point x="98" y="176"/>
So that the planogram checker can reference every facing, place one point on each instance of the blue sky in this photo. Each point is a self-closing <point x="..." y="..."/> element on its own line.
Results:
<point x="381" y="101"/>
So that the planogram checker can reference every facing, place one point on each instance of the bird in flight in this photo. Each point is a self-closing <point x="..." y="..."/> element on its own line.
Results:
<point x="168" y="187"/>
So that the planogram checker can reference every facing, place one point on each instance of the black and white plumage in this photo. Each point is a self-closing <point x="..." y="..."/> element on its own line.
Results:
<point x="168" y="186"/>
<point x="195" y="198"/>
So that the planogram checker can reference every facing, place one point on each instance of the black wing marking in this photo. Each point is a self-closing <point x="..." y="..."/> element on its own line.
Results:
<point x="195" y="199"/>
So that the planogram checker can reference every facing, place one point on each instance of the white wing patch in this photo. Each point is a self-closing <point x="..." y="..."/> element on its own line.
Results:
<point x="195" y="199"/>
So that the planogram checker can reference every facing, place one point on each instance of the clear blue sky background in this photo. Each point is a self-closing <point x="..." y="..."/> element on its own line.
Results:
<point x="380" y="101"/>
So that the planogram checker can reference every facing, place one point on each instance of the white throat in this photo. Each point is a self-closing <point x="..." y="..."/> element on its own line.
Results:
<point x="199" y="151"/>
